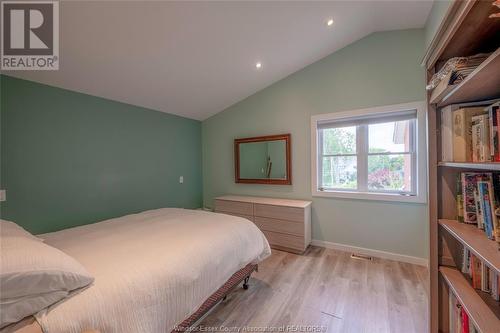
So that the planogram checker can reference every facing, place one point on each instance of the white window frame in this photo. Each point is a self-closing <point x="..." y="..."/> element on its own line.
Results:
<point x="419" y="169"/>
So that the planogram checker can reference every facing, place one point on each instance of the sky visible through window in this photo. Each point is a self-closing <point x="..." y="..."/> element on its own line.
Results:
<point x="381" y="137"/>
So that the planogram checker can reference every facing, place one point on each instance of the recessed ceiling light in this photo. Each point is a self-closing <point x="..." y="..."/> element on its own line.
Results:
<point x="329" y="22"/>
<point x="258" y="65"/>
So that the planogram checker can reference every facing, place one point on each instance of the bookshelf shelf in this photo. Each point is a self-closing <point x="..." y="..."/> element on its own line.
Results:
<point x="492" y="166"/>
<point x="482" y="83"/>
<point x="475" y="240"/>
<point x="481" y="315"/>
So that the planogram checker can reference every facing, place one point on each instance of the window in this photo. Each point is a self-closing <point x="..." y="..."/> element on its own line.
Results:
<point x="370" y="154"/>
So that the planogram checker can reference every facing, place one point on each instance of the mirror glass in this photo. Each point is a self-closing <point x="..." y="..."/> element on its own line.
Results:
<point x="263" y="160"/>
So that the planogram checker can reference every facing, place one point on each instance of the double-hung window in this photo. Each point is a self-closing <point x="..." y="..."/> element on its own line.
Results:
<point x="370" y="154"/>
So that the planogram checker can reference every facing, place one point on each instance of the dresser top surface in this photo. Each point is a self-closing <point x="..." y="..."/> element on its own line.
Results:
<point x="266" y="201"/>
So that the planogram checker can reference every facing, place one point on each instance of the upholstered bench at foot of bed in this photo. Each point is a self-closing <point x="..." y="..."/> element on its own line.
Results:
<point x="243" y="275"/>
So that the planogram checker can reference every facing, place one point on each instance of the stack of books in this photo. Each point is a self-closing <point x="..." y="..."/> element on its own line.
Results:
<point x="454" y="71"/>
<point x="478" y="201"/>
<point x="463" y="68"/>
<point x="470" y="134"/>
<point x="483" y="277"/>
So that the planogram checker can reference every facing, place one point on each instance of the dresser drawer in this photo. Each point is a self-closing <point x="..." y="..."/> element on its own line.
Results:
<point x="284" y="240"/>
<point x="248" y="217"/>
<point x="243" y="208"/>
<point x="280" y="212"/>
<point x="276" y="225"/>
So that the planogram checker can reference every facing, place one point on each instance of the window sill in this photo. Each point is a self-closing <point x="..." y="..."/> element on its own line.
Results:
<point x="371" y="196"/>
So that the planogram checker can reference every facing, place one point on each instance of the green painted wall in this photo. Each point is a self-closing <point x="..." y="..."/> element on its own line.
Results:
<point x="69" y="159"/>
<point x="381" y="69"/>
<point x="436" y="15"/>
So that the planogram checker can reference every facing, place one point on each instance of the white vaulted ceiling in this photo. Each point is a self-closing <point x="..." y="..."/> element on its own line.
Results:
<point x="196" y="58"/>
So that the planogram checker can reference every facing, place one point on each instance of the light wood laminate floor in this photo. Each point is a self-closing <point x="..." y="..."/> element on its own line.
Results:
<point x="329" y="291"/>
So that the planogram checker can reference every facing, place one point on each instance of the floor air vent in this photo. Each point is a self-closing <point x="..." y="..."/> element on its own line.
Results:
<point x="361" y="257"/>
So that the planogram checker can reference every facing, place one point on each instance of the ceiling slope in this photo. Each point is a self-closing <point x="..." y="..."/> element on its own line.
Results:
<point x="195" y="59"/>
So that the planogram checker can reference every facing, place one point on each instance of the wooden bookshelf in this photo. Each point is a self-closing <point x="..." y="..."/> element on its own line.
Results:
<point x="489" y="166"/>
<point x="483" y="317"/>
<point x="466" y="30"/>
<point x="479" y="85"/>
<point x="475" y="240"/>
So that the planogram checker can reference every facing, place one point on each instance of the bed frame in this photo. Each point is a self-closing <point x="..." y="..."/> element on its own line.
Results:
<point x="30" y="325"/>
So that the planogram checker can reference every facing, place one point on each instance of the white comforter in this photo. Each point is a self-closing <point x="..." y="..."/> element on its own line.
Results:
<point x="152" y="270"/>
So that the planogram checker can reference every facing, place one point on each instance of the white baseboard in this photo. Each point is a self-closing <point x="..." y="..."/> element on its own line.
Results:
<point x="370" y="252"/>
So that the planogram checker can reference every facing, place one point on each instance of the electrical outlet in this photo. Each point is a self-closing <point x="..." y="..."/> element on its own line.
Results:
<point x="181" y="180"/>
<point x="3" y="195"/>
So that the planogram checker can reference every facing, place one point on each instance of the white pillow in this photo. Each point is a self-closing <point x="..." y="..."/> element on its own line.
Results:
<point x="11" y="229"/>
<point x="33" y="275"/>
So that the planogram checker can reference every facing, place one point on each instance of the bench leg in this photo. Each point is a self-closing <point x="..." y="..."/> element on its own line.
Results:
<point x="245" y="282"/>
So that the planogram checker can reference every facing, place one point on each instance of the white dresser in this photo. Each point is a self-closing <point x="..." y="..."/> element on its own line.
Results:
<point x="286" y="223"/>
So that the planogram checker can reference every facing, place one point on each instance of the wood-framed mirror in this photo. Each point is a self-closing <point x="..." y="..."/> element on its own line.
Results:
<point x="263" y="160"/>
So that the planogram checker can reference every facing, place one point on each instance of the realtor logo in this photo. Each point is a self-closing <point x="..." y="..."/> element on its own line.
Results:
<point x="30" y="35"/>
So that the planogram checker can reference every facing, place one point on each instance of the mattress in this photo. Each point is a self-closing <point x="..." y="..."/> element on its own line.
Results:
<point x="152" y="270"/>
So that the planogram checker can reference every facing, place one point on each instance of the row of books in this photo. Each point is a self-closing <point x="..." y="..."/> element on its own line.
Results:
<point x="478" y="201"/>
<point x="483" y="277"/>
<point x="459" y="318"/>
<point x="470" y="133"/>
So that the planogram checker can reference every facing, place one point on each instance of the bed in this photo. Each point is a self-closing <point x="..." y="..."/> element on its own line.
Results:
<point x="156" y="271"/>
